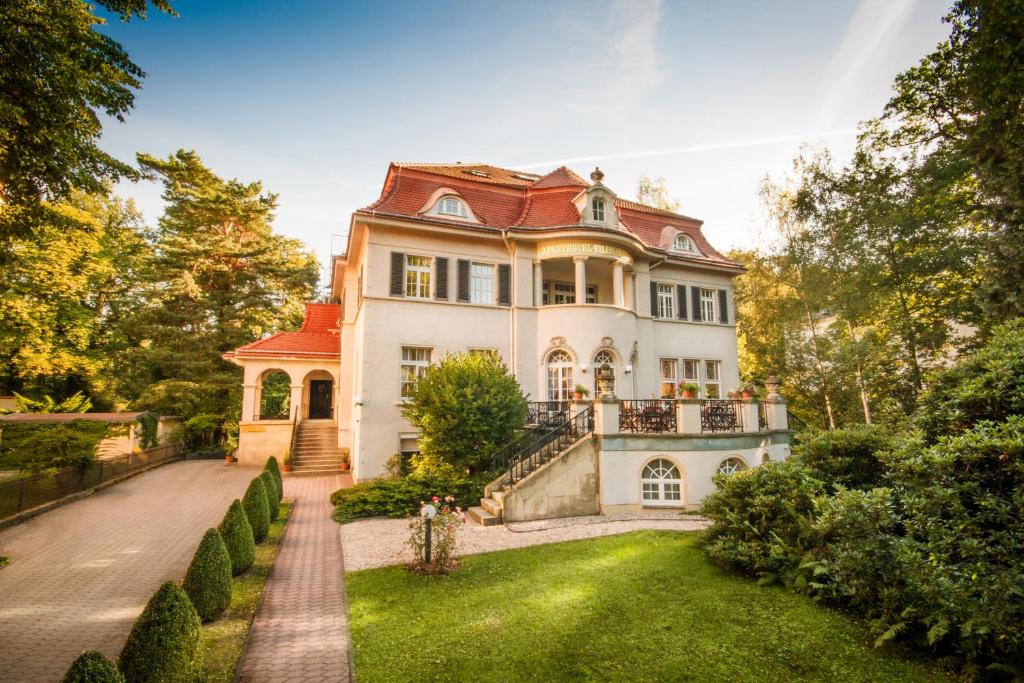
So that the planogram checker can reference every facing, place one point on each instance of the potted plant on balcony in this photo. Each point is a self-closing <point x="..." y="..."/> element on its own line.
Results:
<point x="747" y="390"/>
<point x="735" y="394"/>
<point x="287" y="465"/>
<point x="579" y="392"/>
<point x="688" y="390"/>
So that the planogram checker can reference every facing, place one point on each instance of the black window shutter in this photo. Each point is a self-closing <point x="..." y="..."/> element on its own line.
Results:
<point x="441" y="278"/>
<point x="504" y="284"/>
<point x="698" y="314"/>
<point x="654" y="299"/>
<point x="723" y="305"/>
<point x="681" y="295"/>
<point x="463" y="293"/>
<point x="397" y="273"/>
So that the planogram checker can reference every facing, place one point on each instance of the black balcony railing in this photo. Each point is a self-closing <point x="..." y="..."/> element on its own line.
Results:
<point x="545" y="412"/>
<point x="647" y="416"/>
<point x="540" y="445"/>
<point x="717" y="415"/>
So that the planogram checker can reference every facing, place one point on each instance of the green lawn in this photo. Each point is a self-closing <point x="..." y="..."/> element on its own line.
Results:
<point x="644" y="606"/>
<point x="224" y="638"/>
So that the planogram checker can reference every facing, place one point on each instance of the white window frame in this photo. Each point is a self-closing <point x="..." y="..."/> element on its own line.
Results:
<point x="666" y="300"/>
<point x="708" y="305"/>
<point x="415" y="361"/>
<point x="661" y="491"/>
<point x="668" y="373"/>
<point x="602" y="357"/>
<point x="417" y="276"/>
<point x="712" y="380"/>
<point x="731" y="465"/>
<point x="451" y="206"/>
<point x="694" y="365"/>
<point x="683" y="242"/>
<point x="558" y="374"/>
<point x="481" y="283"/>
<point x="598" y="207"/>
<point x="559" y="292"/>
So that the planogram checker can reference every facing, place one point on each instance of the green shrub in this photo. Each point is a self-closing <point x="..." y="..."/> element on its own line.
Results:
<point x="208" y="579"/>
<point x="275" y="470"/>
<point x="92" y="667"/>
<point x="987" y="385"/>
<point x="402" y="497"/>
<point x="164" y="644"/>
<point x="238" y="539"/>
<point x="270" y="488"/>
<point x="763" y="520"/>
<point x="37" y="446"/>
<point x="845" y="457"/>
<point x="465" y="407"/>
<point x="257" y="509"/>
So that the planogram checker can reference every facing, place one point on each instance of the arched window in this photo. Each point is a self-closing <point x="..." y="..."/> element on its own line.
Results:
<point x="660" y="483"/>
<point x="765" y="458"/>
<point x="598" y="206"/>
<point x="451" y="206"/>
<point x="603" y="357"/>
<point x="682" y="243"/>
<point x="731" y="466"/>
<point x="560" y="383"/>
<point x="275" y="395"/>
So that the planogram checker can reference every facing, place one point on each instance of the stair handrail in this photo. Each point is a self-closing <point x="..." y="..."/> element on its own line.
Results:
<point x="545" y="447"/>
<point x="295" y="435"/>
<point x="531" y="435"/>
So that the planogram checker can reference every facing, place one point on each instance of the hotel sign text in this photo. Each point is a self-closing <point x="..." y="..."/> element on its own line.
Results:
<point x="583" y="249"/>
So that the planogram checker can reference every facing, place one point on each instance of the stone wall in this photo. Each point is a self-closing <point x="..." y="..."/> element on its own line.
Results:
<point x="565" y="487"/>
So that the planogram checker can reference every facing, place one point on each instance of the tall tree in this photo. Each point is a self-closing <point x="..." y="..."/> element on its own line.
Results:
<point x="57" y="74"/>
<point x="652" y="192"/>
<point x="220" y="278"/>
<point x="965" y="102"/>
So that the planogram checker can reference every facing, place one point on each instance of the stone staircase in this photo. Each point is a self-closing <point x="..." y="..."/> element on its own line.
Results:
<point x="489" y="512"/>
<point x="316" y="448"/>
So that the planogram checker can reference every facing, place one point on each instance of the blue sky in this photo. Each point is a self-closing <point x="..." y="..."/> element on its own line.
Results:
<point x="315" y="98"/>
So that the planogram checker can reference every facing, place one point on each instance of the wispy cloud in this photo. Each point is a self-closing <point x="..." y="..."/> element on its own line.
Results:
<point x="706" y="147"/>
<point x="874" y="24"/>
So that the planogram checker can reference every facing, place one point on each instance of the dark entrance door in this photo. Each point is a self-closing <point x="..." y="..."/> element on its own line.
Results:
<point x="320" y="399"/>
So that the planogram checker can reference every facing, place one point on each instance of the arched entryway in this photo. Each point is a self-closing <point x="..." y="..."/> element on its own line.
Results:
<point x="318" y="391"/>
<point x="273" y="395"/>
<point x="661" y="484"/>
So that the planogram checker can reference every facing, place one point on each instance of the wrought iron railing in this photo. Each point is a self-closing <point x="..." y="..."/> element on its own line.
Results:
<point x="541" y="445"/>
<point x="542" y="412"/>
<point x="648" y="416"/>
<point x="795" y="423"/>
<point x="762" y="416"/>
<point x="26" y="492"/>
<point x="721" y="415"/>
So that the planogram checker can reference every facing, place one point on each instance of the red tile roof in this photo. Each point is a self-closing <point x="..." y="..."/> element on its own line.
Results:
<point x="319" y="337"/>
<point x="507" y="199"/>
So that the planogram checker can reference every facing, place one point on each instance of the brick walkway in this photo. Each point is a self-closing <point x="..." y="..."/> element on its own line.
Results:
<point x="301" y="631"/>
<point x="81" y="574"/>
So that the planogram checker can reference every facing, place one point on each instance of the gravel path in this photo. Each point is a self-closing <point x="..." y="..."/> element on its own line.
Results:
<point x="381" y="541"/>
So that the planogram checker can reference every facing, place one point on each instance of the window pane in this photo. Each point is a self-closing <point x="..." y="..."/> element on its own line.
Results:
<point x="481" y="284"/>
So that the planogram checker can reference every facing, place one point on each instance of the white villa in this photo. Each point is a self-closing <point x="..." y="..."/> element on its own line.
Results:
<point x="561" y="278"/>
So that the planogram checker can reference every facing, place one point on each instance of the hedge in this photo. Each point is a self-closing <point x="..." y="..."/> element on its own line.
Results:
<point x="238" y="539"/>
<point x="92" y="667"/>
<point x="402" y="497"/>
<point x="257" y="509"/>
<point x="164" y="644"/>
<point x="208" y="579"/>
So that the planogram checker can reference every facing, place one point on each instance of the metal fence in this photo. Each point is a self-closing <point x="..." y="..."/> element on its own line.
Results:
<point x="647" y="416"/>
<point x="24" y="493"/>
<point x="718" y="415"/>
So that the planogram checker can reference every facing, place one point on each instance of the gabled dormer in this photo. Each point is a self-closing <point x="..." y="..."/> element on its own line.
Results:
<point x="596" y="204"/>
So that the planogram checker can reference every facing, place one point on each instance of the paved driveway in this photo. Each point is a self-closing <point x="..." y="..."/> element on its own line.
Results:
<point x="80" y="575"/>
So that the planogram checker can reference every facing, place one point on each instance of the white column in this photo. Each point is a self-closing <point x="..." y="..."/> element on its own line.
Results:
<point x="538" y="282"/>
<point x="750" y="419"/>
<point x="606" y="416"/>
<point x="618" y="287"/>
<point x="627" y="290"/>
<point x="296" y="401"/>
<point x="581" y="279"/>
<point x="776" y="412"/>
<point x="688" y="416"/>
<point x="250" y="409"/>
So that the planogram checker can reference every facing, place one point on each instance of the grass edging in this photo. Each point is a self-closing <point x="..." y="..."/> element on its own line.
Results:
<point x="226" y="640"/>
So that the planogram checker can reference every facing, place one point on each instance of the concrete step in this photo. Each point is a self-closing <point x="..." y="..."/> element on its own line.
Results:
<point x="316" y="451"/>
<point x="499" y="497"/>
<point x="491" y="506"/>
<point x="483" y="517"/>
<point x="319" y="472"/>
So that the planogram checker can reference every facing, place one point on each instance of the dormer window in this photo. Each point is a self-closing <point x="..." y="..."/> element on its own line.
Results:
<point x="682" y="243"/>
<point x="451" y="206"/>
<point x="598" y="208"/>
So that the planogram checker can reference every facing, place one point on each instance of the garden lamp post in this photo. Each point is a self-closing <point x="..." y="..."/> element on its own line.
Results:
<point x="428" y="512"/>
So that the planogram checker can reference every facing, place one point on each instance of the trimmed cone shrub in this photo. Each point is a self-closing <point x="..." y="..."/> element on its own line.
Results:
<point x="92" y="667"/>
<point x="164" y="644"/>
<point x="276" y="471"/>
<point x="270" y="486"/>
<point x="238" y="538"/>
<point x="208" y="579"/>
<point x="256" y="509"/>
